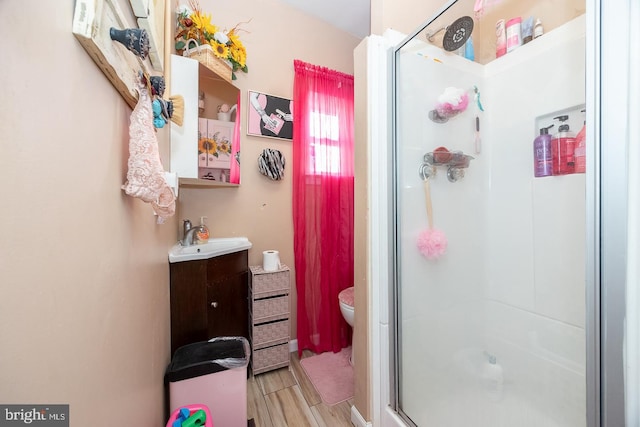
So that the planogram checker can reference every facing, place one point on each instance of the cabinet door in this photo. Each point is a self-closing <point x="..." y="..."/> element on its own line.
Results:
<point x="221" y="133"/>
<point x="184" y="139"/>
<point x="188" y="298"/>
<point x="228" y="300"/>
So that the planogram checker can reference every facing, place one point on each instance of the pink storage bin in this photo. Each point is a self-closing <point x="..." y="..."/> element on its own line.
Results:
<point x="192" y="408"/>
<point x="213" y="373"/>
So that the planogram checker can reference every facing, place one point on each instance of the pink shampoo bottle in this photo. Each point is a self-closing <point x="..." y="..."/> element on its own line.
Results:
<point x="562" y="148"/>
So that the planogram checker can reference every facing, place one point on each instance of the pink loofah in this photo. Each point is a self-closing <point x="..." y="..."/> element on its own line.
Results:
<point x="432" y="243"/>
<point x="448" y="110"/>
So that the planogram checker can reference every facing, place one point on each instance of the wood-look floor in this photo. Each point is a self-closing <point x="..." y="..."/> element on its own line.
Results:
<point x="286" y="398"/>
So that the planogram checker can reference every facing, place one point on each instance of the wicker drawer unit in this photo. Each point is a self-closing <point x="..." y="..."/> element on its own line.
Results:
<point x="269" y="319"/>
<point x="271" y="333"/>
<point x="271" y="308"/>
<point x="269" y="284"/>
<point x="270" y="358"/>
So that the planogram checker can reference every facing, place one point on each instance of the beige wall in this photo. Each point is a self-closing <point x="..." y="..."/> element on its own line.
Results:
<point x="552" y="13"/>
<point x="259" y="208"/>
<point x="401" y="15"/>
<point x="84" y="305"/>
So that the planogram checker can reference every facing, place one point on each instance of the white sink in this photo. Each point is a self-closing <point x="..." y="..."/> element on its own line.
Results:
<point x="213" y="247"/>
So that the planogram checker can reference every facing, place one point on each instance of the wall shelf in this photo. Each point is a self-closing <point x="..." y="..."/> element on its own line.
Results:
<point x="195" y="182"/>
<point x="91" y="23"/>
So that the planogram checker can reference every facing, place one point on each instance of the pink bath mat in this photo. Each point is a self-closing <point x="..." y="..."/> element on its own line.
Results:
<point x="331" y="375"/>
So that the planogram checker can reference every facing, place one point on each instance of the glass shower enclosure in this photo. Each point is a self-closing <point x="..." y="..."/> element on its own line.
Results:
<point x="489" y="276"/>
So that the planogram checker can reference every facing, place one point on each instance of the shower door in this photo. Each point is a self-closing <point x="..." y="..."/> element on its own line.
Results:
<point x="490" y="259"/>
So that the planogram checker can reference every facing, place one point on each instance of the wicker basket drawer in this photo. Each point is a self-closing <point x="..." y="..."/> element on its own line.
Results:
<point x="270" y="358"/>
<point x="265" y="284"/>
<point x="272" y="333"/>
<point x="268" y="309"/>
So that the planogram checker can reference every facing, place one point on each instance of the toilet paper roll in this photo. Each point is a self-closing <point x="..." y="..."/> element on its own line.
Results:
<point x="270" y="260"/>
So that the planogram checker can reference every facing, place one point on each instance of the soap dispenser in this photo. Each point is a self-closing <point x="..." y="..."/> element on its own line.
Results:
<point x="202" y="235"/>
<point x="562" y="148"/>
<point x="542" y="156"/>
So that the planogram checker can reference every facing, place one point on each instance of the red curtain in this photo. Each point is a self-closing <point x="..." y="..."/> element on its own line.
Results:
<point x="322" y="203"/>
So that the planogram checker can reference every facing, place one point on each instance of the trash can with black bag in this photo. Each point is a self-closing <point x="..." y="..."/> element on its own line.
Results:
<point x="213" y="373"/>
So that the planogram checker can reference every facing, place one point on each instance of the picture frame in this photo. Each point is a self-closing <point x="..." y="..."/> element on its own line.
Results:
<point x="269" y="116"/>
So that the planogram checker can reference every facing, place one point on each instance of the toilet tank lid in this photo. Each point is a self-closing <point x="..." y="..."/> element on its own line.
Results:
<point x="346" y="296"/>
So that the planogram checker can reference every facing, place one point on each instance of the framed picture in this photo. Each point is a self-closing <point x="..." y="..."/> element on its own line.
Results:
<point x="270" y="116"/>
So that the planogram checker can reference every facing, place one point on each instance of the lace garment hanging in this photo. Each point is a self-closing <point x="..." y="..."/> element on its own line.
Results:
<point x="145" y="177"/>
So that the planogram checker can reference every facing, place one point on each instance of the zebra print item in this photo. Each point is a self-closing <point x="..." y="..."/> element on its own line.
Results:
<point x="271" y="164"/>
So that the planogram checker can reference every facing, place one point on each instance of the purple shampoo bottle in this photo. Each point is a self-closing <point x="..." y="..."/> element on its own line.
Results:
<point x="542" y="155"/>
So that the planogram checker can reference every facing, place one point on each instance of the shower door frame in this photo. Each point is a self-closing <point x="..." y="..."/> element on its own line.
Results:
<point x="606" y="226"/>
<point x="610" y="77"/>
<point x="395" y="277"/>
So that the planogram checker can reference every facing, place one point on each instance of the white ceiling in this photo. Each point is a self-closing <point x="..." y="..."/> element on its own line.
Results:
<point x="352" y="16"/>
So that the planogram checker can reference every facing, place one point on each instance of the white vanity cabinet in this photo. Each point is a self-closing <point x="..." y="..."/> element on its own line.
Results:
<point x="189" y="78"/>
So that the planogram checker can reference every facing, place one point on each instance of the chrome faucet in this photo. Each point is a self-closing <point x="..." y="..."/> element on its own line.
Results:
<point x="188" y="232"/>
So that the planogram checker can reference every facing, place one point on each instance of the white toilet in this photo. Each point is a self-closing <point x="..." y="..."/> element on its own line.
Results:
<point x="345" y="297"/>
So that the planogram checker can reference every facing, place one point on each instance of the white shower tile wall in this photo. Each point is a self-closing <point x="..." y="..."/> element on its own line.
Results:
<point x="538" y="278"/>
<point x="543" y="360"/>
<point x="512" y="281"/>
<point x="559" y="263"/>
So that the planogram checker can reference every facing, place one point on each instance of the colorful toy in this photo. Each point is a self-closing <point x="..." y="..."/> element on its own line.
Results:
<point x="194" y="415"/>
<point x="197" y="419"/>
<point x="183" y="414"/>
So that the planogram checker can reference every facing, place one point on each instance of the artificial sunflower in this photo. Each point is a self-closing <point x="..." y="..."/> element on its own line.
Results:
<point x="234" y="38"/>
<point x="193" y="23"/>
<point x="202" y="21"/>
<point x="220" y="50"/>
<point x="238" y="55"/>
